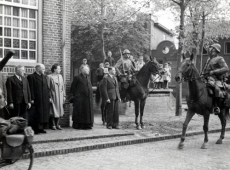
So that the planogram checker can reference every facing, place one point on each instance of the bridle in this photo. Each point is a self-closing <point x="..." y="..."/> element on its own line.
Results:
<point x="189" y="76"/>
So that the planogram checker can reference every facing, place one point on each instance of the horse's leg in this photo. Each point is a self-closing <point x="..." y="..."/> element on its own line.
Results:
<point x="205" y="128"/>
<point x="223" y="125"/>
<point x="136" y="103"/>
<point x="189" y="116"/>
<point x="142" y="107"/>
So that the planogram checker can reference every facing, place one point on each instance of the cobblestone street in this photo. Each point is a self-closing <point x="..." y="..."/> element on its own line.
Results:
<point x="162" y="155"/>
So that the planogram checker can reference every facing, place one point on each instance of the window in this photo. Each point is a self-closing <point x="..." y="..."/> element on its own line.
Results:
<point x="18" y="28"/>
<point x="227" y="48"/>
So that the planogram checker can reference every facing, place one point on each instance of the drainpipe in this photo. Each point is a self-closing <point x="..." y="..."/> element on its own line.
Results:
<point x="63" y="39"/>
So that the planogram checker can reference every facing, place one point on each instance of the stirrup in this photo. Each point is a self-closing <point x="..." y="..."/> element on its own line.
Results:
<point x="216" y="110"/>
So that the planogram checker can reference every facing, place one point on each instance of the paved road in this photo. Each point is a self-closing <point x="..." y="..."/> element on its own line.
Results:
<point x="162" y="155"/>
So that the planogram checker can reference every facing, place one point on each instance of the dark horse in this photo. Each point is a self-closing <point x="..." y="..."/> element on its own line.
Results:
<point x="199" y="101"/>
<point x="138" y="91"/>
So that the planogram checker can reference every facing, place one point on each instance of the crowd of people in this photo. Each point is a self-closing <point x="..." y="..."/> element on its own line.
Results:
<point x="38" y="98"/>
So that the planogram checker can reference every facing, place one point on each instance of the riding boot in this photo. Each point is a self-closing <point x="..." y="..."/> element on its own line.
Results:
<point x="216" y="109"/>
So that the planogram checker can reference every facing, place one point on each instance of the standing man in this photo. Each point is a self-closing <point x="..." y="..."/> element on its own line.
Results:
<point x="216" y="69"/>
<point x="110" y="59"/>
<point x="18" y="93"/>
<point x="81" y="90"/>
<point x="40" y="99"/>
<point x="110" y="93"/>
<point x="100" y="72"/>
<point x="84" y="63"/>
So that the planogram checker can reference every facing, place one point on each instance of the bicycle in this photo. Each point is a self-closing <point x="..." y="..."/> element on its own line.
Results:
<point x="14" y="146"/>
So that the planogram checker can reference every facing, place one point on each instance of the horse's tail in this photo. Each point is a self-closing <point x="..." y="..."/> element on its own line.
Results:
<point x="98" y="95"/>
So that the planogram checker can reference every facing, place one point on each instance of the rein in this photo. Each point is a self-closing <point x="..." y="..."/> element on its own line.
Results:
<point x="191" y="77"/>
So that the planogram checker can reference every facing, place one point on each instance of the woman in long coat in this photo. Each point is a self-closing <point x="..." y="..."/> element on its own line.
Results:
<point x="81" y="90"/>
<point x="57" y="95"/>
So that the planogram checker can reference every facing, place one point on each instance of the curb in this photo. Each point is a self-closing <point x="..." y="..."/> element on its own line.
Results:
<point x="82" y="138"/>
<point x="115" y="144"/>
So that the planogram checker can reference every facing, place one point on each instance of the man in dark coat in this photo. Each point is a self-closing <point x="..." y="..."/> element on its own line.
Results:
<point x="40" y="100"/>
<point x="18" y="93"/>
<point x="81" y="89"/>
<point x="110" y="93"/>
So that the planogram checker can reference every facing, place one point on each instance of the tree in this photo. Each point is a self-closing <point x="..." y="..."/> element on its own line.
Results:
<point x="182" y="4"/>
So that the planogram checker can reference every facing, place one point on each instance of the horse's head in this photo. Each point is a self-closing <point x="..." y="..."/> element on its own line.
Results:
<point x="153" y="65"/>
<point x="186" y="69"/>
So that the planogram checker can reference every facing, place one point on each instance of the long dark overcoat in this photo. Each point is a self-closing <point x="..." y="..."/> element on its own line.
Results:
<point x="40" y="95"/>
<point x="81" y="89"/>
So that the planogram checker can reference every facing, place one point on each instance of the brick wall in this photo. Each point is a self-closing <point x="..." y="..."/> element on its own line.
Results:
<point x="53" y="41"/>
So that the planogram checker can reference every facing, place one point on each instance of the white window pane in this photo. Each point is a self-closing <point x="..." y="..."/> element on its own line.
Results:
<point x="24" y="13"/>
<point x="25" y="2"/>
<point x="17" y="1"/>
<point x="32" y="13"/>
<point x="9" y="0"/>
<point x="16" y="43"/>
<point x="16" y="33"/>
<point x="33" y="2"/>
<point x="32" y="35"/>
<point x="24" y="54"/>
<point x="1" y="6"/>
<point x="32" y="24"/>
<point x="7" y="21"/>
<point x="32" y="55"/>
<point x="16" y="54"/>
<point x="16" y="22"/>
<point x="7" y="32"/>
<point x="7" y="10"/>
<point x="7" y="42"/>
<point x="24" y="23"/>
<point x="24" y="34"/>
<point x="0" y="20"/>
<point x="1" y="42"/>
<point x="0" y="31"/>
<point x="1" y="53"/>
<point x="15" y="11"/>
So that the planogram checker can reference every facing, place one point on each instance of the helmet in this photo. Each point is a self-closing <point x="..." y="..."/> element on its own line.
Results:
<point x="216" y="46"/>
<point x="126" y="51"/>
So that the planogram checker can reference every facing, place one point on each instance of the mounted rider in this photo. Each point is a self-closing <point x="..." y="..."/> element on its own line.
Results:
<point x="216" y="69"/>
<point x="125" y="65"/>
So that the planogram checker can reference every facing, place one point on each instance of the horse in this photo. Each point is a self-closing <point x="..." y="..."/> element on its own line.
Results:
<point x="199" y="101"/>
<point x="138" y="91"/>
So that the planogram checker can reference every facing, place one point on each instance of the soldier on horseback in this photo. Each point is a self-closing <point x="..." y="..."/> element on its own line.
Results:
<point x="216" y="69"/>
<point x="124" y="65"/>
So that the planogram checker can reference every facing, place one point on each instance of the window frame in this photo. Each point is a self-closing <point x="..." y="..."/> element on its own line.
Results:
<point x="20" y="28"/>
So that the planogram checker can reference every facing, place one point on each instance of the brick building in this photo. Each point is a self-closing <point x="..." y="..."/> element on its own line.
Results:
<point x="39" y="32"/>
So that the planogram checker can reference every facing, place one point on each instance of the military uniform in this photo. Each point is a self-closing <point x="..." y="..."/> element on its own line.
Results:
<point x="124" y="65"/>
<point x="220" y="68"/>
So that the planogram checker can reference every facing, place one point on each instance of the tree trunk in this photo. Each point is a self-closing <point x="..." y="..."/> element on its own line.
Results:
<point x="102" y="30"/>
<point x="179" y="56"/>
<point x="202" y="42"/>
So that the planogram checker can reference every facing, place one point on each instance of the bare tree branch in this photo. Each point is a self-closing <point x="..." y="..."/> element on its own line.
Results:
<point x="178" y="3"/>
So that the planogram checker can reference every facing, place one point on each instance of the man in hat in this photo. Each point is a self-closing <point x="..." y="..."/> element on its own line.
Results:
<point x="216" y="69"/>
<point x="124" y="65"/>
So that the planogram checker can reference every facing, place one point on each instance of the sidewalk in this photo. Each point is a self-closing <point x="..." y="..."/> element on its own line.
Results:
<point x="160" y="121"/>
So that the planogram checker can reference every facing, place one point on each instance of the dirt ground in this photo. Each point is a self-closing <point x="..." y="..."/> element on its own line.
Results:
<point x="159" y="119"/>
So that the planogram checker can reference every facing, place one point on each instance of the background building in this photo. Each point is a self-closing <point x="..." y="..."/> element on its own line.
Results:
<point x="39" y="32"/>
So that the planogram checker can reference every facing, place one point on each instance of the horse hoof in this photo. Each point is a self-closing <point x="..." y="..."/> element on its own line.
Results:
<point x="219" y="141"/>
<point x="139" y="127"/>
<point x="142" y="126"/>
<point x="204" y="146"/>
<point x="181" y="146"/>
